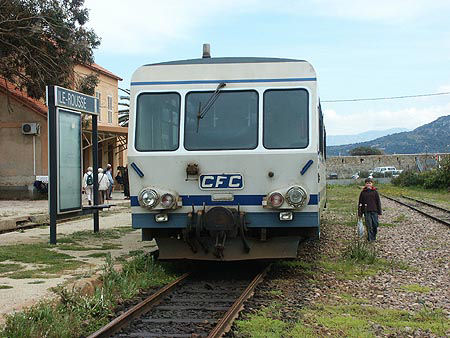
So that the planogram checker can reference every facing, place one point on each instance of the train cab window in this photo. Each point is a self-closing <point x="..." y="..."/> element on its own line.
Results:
<point x="230" y="123"/>
<point x="286" y="119"/>
<point x="157" y="121"/>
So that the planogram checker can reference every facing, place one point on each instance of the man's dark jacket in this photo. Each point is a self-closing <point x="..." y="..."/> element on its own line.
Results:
<point x="369" y="200"/>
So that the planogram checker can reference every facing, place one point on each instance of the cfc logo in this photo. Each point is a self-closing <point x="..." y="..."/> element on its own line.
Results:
<point x="222" y="181"/>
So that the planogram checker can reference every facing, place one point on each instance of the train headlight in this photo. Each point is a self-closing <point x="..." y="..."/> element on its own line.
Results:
<point x="296" y="197"/>
<point x="275" y="200"/>
<point x="167" y="200"/>
<point x="148" y="198"/>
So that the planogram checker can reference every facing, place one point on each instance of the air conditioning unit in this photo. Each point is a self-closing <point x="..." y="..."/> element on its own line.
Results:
<point x="30" y="128"/>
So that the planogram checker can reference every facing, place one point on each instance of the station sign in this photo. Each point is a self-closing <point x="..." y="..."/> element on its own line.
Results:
<point x="70" y="99"/>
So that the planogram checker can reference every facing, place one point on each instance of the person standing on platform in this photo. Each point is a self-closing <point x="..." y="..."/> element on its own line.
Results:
<point x="126" y="184"/>
<point x="88" y="184"/>
<point x="103" y="185"/>
<point x="110" y="179"/>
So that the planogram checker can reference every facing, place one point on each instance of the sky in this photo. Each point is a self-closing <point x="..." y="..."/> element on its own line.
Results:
<point x="359" y="49"/>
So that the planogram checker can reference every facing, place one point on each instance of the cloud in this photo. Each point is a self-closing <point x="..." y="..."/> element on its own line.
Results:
<point x="343" y="124"/>
<point x="444" y="89"/>
<point x="141" y="26"/>
<point x="381" y="10"/>
<point x="148" y="26"/>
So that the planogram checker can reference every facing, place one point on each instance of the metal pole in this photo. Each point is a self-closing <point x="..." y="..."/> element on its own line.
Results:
<point x="95" y="167"/>
<point x="52" y="159"/>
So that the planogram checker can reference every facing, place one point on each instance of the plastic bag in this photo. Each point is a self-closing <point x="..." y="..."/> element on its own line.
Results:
<point x="360" y="227"/>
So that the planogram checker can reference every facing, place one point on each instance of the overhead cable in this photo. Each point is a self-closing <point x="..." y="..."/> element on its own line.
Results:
<point x="387" y="98"/>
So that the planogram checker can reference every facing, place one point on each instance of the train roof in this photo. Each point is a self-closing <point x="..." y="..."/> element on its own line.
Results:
<point x="223" y="60"/>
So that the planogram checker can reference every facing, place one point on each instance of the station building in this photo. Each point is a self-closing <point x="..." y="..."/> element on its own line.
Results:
<point x="24" y="136"/>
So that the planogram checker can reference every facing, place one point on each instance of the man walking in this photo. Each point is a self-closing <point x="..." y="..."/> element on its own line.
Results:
<point x="103" y="185"/>
<point x="110" y="179"/>
<point x="88" y="184"/>
<point x="370" y="205"/>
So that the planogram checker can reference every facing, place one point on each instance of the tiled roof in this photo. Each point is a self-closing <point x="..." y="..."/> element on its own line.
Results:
<point x="102" y="70"/>
<point x="21" y="96"/>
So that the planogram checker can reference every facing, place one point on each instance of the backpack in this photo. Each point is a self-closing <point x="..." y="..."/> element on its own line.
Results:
<point x="89" y="179"/>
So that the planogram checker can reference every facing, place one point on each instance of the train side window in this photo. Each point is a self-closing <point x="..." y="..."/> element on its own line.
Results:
<point x="157" y="121"/>
<point x="321" y="131"/>
<point x="286" y="119"/>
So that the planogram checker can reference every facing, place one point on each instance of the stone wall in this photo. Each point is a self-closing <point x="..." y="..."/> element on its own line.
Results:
<point x="346" y="166"/>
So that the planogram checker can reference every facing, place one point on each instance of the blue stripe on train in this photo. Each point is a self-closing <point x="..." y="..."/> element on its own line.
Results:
<point x="198" y="200"/>
<point x="293" y="79"/>
<point x="255" y="219"/>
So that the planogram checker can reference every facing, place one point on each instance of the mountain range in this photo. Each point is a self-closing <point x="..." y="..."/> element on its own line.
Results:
<point x="336" y="140"/>
<point x="433" y="137"/>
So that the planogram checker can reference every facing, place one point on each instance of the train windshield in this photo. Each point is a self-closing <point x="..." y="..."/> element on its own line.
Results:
<point x="286" y="119"/>
<point x="230" y="123"/>
<point x="157" y="121"/>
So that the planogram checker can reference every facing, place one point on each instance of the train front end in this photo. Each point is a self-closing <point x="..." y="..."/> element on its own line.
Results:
<point x="226" y="157"/>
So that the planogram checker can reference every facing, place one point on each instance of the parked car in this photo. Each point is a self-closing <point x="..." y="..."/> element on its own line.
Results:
<point x="333" y="176"/>
<point x="384" y="171"/>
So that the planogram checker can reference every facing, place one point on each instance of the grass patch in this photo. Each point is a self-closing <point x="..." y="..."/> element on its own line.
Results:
<point x="359" y="260"/>
<point x="37" y="282"/>
<point x="97" y="255"/>
<point x="416" y="288"/>
<point x="3" y="287"/>
<point x="360" y="251"/>
<point x="39" y="253"/>
<point x="439" y="197"/>
<point x="356" y="320"/>
<point x="263" y="323"/>
<point x="400" y="218"/>
<point x="75" y="315"/>
<point x="276" y="293"/>
<point x="48" y="271"/>
<point x="9" y="267"/>
<point x="78" y="247"/>
<point x="49" y="261"/>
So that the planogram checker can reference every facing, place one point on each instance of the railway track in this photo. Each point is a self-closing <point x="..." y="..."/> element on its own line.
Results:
<point x="197" y="304"/>
<point x="429" y="210"/>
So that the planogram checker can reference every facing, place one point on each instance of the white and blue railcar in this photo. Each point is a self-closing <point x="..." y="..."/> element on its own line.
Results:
<point x="226" y="157"/>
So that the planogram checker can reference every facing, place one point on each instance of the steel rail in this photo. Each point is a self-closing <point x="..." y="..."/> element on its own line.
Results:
<point x="426" y="203"/>
<point x="418" y="210"/>
<point x="139" y="309"/>
<point x="229" y="316"/>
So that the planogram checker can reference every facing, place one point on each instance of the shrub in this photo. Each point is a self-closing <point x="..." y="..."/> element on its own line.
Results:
<point x="408" y="178"/>
<point x="361" y="151"/>
<point x="360" y="251"/>
<point x="364" y="174"/>
<point x="438" y="178"/>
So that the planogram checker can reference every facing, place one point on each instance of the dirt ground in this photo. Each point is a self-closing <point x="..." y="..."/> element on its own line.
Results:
<point x="319" y="295"/>
<point x="19" y="293"/>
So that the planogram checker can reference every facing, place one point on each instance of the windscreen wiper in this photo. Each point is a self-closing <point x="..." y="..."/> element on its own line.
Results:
<point x="202" y="112"/>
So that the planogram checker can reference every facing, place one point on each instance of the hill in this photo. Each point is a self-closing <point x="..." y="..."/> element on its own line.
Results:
<point x="336" y="140"/>
<point x="433" y="137"/>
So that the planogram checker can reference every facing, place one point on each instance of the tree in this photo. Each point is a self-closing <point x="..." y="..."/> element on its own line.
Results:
<point x="360" y="151"/>
<point x="124" y="114"/>
<point x="42" y="40"/>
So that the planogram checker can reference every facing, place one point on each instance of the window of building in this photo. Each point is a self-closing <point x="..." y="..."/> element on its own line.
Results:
<point x="110" y="109"/>
<point x="98" y="95"/>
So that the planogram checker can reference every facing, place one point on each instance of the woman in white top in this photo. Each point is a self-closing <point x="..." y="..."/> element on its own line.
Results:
<point x="88" y="184"/>
<point x="103" y="185"/>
